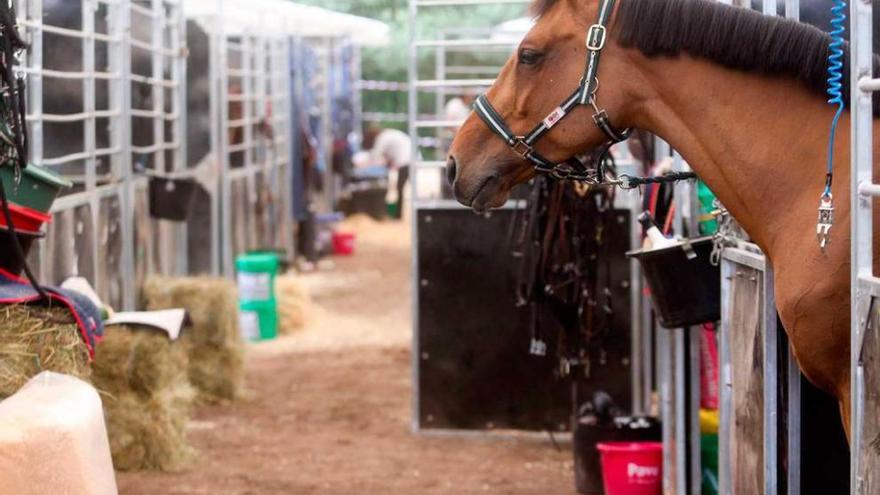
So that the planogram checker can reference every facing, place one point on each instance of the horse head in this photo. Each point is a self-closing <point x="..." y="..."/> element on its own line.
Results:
<point x="545" y="71"/>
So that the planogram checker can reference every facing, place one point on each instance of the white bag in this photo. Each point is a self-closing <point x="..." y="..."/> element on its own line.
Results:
<point x="53" y="440"/>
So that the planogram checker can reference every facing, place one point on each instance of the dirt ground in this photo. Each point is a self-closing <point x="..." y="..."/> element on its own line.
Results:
<point x="328" y="408"/>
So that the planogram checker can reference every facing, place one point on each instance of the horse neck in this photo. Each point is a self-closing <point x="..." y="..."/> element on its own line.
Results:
<point x="760" y="143"/>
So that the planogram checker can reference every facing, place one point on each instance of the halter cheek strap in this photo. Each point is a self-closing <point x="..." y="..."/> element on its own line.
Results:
<point x="583" y="95"/>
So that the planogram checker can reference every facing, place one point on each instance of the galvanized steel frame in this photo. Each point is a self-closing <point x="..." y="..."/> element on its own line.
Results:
<point x="865" y="286"/>
<point x="121" y="180"/>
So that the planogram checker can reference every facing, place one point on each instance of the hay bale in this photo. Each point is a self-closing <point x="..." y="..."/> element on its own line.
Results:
<point x="294" y="304"/>
<point x="214" y="343"/>
<point x="35" y="339"/>
<point x="147" y="398"/>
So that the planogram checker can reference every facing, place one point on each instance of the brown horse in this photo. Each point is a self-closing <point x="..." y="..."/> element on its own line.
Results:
<point x="740" y="95"/>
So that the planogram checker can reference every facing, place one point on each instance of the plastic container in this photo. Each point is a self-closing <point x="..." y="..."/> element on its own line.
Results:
<point x="589" y="433"/>
<point x="256" y="294"/>
<point x="258" y="320"/>
<point x="709" y="459"/>
<point x="685" y="286"/>
<point x="38" y="187"/>
<point x="632" y="468"/>
<point x="344" y="243"/>
<point x="9" y="260"/>
<point x="172" y="199"/>
<point x="24" y="218"/>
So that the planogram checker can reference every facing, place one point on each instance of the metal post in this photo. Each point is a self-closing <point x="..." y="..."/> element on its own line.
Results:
<point x="863" y="282"/>
<point x="413" y="110"/>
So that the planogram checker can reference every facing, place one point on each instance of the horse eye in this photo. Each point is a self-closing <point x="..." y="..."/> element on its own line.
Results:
<point x="529" y="57"/>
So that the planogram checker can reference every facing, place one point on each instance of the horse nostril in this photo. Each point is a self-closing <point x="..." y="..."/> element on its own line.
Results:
<point x="451" y="170"/>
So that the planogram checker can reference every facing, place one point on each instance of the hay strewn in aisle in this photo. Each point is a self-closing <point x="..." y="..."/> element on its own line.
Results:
<point x="147" y="397"/>
<point x="35" y="339"/>
<point x="294" y="304"/>
<point x="213" y="342"/>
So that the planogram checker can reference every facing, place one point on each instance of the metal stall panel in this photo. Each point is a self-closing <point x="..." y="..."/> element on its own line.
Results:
<point x="78" y="121"/>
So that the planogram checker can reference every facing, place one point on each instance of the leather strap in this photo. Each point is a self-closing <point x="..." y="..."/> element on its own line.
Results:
<point x="597" y="35"/>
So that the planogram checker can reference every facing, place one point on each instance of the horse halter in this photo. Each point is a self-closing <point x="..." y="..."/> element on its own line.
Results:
<point x="583" y="95"/>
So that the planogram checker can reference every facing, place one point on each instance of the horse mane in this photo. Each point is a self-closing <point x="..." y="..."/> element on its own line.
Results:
<point x="735" y="37"/>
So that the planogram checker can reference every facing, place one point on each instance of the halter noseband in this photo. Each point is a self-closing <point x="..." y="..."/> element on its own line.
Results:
<point x="583" y="95"/>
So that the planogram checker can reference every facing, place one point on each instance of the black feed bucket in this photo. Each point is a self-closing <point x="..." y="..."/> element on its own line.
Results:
<point x="685" y="286"/>
<point x="9" y="259"/>
<point x="172" y="199"/>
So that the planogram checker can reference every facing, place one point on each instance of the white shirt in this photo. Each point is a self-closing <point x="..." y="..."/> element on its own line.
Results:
<point x="392" y="147"/>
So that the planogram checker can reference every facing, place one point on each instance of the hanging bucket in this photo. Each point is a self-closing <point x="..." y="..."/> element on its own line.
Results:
<point x="9" y="260"/>
<point x="37" y="189"/>
<point x="632" y="468"/>
<point x="685" y="286"/>
<point x="172" y="199"/>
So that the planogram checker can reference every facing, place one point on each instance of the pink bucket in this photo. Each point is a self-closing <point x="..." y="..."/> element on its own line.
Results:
<point x="632" y="468"/>
<point x="343" y="243"/>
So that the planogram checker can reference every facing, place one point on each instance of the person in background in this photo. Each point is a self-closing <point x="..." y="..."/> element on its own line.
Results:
<point x="393" y="149"/>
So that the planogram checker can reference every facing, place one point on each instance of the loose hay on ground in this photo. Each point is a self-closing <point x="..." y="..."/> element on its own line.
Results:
<point x="147" y="398"/>
<point x="35" y="339"/>
<point x="213" y="342"/>
<point x="294" y="304"/>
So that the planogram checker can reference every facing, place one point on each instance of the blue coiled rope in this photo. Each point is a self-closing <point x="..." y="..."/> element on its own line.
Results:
<point x="835" y="81"/>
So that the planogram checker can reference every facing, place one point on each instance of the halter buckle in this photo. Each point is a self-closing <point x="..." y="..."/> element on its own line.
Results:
<point x="521" y="147"/>
<point x="596" y="37"/>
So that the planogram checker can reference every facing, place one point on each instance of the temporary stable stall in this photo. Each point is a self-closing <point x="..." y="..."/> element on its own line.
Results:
<point x="472" y="368"/>
<point x="261" y="103"/>
<point x="173" y="119"/>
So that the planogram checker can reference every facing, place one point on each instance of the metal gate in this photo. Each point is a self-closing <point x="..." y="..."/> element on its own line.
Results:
<point x="865" y="286"/>
<point x="94" y="76"/>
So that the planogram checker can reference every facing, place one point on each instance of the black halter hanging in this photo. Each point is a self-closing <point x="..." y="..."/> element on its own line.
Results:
<point x="583" y="95"/>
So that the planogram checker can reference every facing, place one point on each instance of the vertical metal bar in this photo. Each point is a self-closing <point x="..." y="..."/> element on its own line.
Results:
<point x="771" y="379"/>
<point x="35" y="86"/>
<point x="769" y="7"/>
<point x="861" y="13"/>
<point x="793" y="9"/>
<point x="176" y="21"/>
<point x="357" y="75"/>
<point x="665" y="364"/>
<point x="725" y="385"/>
<point x="640" y="355"/>
<point x="681" y="410"/>
<point x="217" y="154"/>
<point x="120" y="60"/>
<point x="226" y="186"/>
<point x="87" y="11"/>
<point x="412" y="100"/>
<point x="327" y="124"/>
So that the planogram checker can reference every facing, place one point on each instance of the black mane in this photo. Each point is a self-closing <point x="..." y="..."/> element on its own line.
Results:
<point x="735" y="37"/>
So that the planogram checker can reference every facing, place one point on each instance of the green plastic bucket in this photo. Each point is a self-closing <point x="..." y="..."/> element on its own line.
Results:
<point x="259" y="320"/>
<point x="38" y="187"/>
<point x="709" y="458"/>
<point x="256" y="294"/>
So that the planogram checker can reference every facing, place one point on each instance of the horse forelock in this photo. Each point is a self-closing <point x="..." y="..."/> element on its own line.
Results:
<point x="735" y="37"/>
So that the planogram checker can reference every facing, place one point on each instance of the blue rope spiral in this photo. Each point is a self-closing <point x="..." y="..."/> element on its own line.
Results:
<point x="835" y="80"/>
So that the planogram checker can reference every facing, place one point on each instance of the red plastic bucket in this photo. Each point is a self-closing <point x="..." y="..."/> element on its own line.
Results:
<point x="25" y="218"/>
<point x="343" y="243"/>
<point x="632" y="468"/>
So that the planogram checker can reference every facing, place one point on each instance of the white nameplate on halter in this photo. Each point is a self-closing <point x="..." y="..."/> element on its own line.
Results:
<point x="554" y="117"/>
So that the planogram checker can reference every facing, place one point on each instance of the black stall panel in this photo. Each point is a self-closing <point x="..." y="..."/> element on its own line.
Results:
<point x="474" y="368"/>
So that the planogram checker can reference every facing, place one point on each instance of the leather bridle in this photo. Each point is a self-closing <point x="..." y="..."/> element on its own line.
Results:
<point x="585" y="94"/>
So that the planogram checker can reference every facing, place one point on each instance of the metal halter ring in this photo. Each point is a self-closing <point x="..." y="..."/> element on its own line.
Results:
<point x="521" y="147"/>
